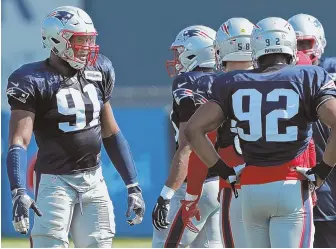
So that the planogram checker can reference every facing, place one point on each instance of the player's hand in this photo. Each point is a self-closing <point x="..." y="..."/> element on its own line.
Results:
<point x="21" y="205"/>
<point x="233" y="180"/>
<point x="189" y="210"/>
<point x="136" y="204"/>
<point x="160" y="214"/>
<point x="310" y="175"/>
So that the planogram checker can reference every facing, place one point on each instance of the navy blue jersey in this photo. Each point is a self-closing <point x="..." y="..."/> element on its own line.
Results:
<point x="189" y="92"/>
<point x="228" y="135"/>
<point x="274" y="109"/>
<point x="329" y="64"/>
<point x="325" y="209"/>
<point x="67" y="112"/>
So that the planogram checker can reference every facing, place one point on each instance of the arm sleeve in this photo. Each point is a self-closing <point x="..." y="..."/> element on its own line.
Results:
<point x="108" y="79"/>
<point x="21" y="94"/>
<point x="183" y="95"/>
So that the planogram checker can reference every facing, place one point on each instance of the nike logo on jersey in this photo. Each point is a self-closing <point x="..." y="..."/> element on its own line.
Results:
<point x="15" y="84"/>
<point x="18" y="94"/>
<point x="93" y="75"/>
<point x="181" y="84"/>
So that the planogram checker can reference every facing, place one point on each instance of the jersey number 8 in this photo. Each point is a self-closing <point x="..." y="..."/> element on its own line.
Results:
<point x="254" y="115"/>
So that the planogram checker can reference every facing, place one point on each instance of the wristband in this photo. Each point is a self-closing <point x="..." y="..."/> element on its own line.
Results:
<point x="167" y="193"/>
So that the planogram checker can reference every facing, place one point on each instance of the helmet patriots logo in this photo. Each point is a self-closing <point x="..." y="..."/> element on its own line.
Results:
<point x="63" y="16"/>
<point x="195" y="32"/>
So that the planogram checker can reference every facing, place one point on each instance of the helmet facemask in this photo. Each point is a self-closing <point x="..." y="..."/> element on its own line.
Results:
<point x="175" y="67"/>
<point x="81" y="49"/>
<point x="309" y="46"/>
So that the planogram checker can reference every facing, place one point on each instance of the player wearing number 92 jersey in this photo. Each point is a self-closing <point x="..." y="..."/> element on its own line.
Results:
<point x="274" y="107"/>
<point x="64" y="100"/>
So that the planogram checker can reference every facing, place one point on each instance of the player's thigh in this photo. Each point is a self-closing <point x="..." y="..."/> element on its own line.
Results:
<point x="257" y="205"/>
<point x="56" y="200"/>
<point x="231" y="220"/>
<point x="325" y="234"/>
<point x="159" y="237"/>
<point x="96" y="226"/>
<point x="209" y="236"/>
<point x="292" y="224"/>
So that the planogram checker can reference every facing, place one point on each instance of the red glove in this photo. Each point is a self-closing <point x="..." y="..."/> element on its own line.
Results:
<point x="189" y="210"/>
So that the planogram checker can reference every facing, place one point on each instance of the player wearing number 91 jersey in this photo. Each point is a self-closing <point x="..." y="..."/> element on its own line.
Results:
<point x="274" y="106"/>
<point x="64" y="100"/>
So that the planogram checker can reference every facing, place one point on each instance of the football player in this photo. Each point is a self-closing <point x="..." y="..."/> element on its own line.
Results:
<point x="194" y="57"/>
<point x="274" y="107"/>
<point x="64" y="100"/>
<point x="233" y="52"/>
<point x="311" y="41"/>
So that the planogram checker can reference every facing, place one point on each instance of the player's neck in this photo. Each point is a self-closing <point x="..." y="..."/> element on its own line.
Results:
<point x="238" y="65"/>
<point x="61" y="66"/>
<point x="203" y="69"/>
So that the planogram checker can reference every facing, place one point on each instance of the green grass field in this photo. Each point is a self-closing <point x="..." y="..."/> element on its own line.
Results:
<point x="117" y="242"/>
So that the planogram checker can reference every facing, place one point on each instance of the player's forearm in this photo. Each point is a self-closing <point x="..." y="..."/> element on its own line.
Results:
<point x="179" y="168"/>
<point x="119" y="152"/>
<point x="201" y="144"/>
<point x="329" y="156"/>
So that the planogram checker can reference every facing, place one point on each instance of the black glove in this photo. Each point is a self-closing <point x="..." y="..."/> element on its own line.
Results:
<point x="321" y="171"/>
<point x="160" y="214"/>
<point x="225" y="172"/>
<point x="137" y="204"/>
<point x="21" y="205"/>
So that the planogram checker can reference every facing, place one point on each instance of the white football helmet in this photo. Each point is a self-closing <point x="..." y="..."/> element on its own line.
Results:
<point x="63" y="23"/>
<point x="193" y="47"/>
<point x="273" y="35"/>
<point x="308" y="28"/>
<point x="233" y="41"/>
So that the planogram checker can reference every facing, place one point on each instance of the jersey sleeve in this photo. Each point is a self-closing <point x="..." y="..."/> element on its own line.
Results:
<point x="21" y="93"/>
<point x="108" y="79"/>
<point x="219" y="94"/>
<point x="183" y="96"/>
<point x="323" y="89"/>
